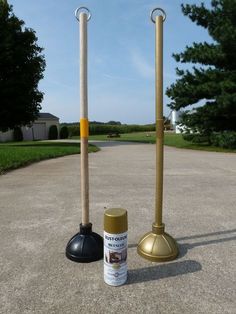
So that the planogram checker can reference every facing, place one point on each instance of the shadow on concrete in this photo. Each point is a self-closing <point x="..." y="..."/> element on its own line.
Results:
<point x="99" y="143"/>
<point x="162" y="271"/>
<point x="113" y="143"/>
<point x="207" y="235"/>
<point x="132" y="245"/>
<point x="182" y="267"/>
<point x="184" y="247"/>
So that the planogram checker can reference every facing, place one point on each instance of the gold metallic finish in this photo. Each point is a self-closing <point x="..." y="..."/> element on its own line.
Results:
<point x="159" y="118"/>
<point x="84" y="128"/>
<point x="158" y="229"/>
<point x="157" y="245"/>
<point x="115" y="220"/>
<point x="159" y="67"/>
<point x="163" y="13"/>
<point x="160" y="129"/>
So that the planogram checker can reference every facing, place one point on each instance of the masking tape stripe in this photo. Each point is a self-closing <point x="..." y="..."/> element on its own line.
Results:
<point x="84" y="128"/>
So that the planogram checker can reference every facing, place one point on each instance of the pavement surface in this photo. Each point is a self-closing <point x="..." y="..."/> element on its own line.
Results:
<point x="40" y="211"/>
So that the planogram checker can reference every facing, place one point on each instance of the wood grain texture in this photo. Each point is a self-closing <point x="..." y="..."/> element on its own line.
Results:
<point x="84" y="115"/>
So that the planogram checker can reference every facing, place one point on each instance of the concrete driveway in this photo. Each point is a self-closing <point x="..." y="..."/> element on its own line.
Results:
<point x="40" y="211"/>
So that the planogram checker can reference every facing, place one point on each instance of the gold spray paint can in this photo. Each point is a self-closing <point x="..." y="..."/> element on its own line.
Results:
<point x="115" y="246"/>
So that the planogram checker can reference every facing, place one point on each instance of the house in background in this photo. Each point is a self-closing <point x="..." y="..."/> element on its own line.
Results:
<point x="40" y="128"/>
<point x="37" y="131"/>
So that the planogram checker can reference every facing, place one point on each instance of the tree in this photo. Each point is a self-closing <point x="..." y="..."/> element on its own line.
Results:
<point x="21" y="69"/>
<point x="64" y="132"/>
<point x="213" y="81"/>
<point x="114" y="122"/>
<point x="53" y="133"/>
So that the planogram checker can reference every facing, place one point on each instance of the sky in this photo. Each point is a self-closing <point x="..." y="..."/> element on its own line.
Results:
<point x="121" y="47"/>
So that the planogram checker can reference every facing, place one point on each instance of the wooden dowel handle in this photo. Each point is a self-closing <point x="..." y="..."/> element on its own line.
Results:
<point x="84" y="116"/>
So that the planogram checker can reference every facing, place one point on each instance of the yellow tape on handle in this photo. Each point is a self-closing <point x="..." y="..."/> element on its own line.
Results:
<point x="84" y="128"/>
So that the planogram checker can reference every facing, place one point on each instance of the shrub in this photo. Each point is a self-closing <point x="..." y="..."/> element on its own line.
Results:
<point x="226" y="139"/>
<point x="105" y="129"/>
<point x="64" y="133"/>
<point x="196" y="138"/>
<point x="17" y="134"/>
<point x="97" y="129"/>
<point x="53" y="133"/>
<point x="215" y="139"/>
<point x="188" y="137"/>
<point x="74" y="130"/>
<point x="199" y="138"/>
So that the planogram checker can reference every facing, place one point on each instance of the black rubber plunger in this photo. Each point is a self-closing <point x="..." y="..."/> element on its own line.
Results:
<point x="85" y="246"/>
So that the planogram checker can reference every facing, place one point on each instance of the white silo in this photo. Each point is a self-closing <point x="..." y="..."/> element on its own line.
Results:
<point x="175" y="118"/>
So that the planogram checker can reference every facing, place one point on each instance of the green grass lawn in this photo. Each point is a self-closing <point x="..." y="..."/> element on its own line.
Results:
<point x="176" y="140"/>
<point x="170" y="139"/>
<point x="15" y="155"/>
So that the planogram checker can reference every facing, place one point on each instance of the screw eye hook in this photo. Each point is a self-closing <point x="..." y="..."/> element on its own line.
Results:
<point x="159" y="10"/>
<point x="80" y="10"/>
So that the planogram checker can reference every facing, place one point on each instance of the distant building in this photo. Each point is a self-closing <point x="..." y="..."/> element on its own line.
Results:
<point x="38" y="130"/>
<point x="175" y="118"/>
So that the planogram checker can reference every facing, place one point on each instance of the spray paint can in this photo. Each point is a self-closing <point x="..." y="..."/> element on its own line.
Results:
<point x="115" y="246"/>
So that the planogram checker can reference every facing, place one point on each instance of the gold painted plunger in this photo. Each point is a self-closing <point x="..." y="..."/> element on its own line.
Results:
<point x="157" y="245"/>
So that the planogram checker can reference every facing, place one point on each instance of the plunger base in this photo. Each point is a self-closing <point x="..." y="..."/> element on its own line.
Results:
<point x="157" y="245"/>
<point x="85" y="246"/>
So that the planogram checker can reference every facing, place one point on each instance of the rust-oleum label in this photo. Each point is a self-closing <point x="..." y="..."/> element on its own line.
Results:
<point x="115" y="258"/>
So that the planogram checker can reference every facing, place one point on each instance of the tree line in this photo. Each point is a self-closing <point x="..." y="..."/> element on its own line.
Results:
<point x="212" y="79"/>
<point x="106" y="129"/>
<point x="209" y="81"/>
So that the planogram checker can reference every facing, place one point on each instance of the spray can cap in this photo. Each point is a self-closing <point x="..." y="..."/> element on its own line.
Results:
<point x="115" y="220"/>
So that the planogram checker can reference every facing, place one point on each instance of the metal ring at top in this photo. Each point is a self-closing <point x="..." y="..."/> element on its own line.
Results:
<point x="160" y="10"/>
<point x="77" y="11"/>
